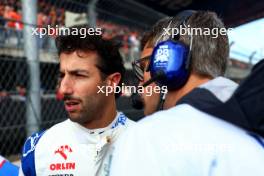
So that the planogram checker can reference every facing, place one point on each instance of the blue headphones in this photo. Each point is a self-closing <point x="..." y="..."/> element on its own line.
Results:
<point x="170" y="59"/>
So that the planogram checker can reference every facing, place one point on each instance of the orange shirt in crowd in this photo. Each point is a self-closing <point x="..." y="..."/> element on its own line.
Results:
<point x="14" y="16"/>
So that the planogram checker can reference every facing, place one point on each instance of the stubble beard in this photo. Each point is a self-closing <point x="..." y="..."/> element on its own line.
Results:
<point x="89" y="112"/>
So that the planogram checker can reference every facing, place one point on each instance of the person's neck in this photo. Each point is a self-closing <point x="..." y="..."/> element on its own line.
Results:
<point x="105" y="116"/>
<point x="173" y="97"/>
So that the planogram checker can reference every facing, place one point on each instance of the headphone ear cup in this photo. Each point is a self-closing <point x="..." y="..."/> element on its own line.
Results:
<point x="170" y="57"/>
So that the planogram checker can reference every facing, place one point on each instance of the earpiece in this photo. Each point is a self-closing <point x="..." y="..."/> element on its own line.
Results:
<point x="172" y="58"/>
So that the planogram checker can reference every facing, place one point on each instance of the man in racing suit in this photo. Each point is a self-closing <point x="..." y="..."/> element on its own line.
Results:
<point x="90" y="69"/>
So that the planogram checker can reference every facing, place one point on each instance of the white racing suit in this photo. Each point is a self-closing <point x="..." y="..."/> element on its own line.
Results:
<point x="183" y="141"/>
<point x="69" y="149"/>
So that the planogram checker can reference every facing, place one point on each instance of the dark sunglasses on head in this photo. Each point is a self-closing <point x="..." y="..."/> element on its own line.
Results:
<point x="138" y="69"/>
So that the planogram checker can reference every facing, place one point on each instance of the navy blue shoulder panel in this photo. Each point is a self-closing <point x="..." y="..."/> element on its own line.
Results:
<point x="200" y="98"/>
<point x="28" y="154"/>
<point x="206" y="101"/>
<point x="258" y="138"/>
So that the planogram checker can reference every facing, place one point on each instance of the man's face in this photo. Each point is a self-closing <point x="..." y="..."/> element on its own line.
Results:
<point x="150" y="102"/>
<point x="79" y="78"/>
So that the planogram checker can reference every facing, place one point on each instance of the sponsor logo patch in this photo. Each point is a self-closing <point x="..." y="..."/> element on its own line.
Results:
<point x="63" y="151"/>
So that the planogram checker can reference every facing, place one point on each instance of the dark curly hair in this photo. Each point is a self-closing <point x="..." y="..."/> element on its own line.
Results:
<point x="110" y="60"/>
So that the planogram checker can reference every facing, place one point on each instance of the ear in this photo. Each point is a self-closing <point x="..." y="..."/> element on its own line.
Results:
<point x="114" y="79"/>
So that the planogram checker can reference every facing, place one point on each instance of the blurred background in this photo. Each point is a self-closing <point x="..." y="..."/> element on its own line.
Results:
<point x="29" y="100"/>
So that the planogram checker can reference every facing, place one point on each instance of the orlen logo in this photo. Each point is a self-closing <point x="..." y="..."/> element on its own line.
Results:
<point x="63" y="151"/>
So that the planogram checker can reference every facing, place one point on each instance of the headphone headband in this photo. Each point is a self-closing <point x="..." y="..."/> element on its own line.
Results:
<point x="185" y="15"/>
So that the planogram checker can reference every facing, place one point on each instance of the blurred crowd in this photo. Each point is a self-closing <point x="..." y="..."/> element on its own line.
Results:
<point x="11" y="17"/>
<point x="49" y="14"/>
<point x="129" y="39"/>
<point x="11" y="10"/>
<point x="10" y="27"/>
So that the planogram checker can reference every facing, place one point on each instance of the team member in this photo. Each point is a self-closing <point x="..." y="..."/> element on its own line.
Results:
<point x="77" y="145"/>
<point x="183" y="140"/>
<point x="7" y="168"/>
<point x="207" y="59"/>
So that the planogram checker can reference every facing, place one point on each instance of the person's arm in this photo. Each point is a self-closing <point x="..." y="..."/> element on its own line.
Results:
<point x="28" y="155"/>
<point x="7" y="168"/>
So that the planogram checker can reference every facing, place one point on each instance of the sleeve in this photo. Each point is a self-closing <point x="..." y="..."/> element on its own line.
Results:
<point x="28" y="155"/>
<point x="7" y="168"/>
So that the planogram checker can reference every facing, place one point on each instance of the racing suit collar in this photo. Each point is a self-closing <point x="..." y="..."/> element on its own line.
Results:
<point x="99" y="131"/>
